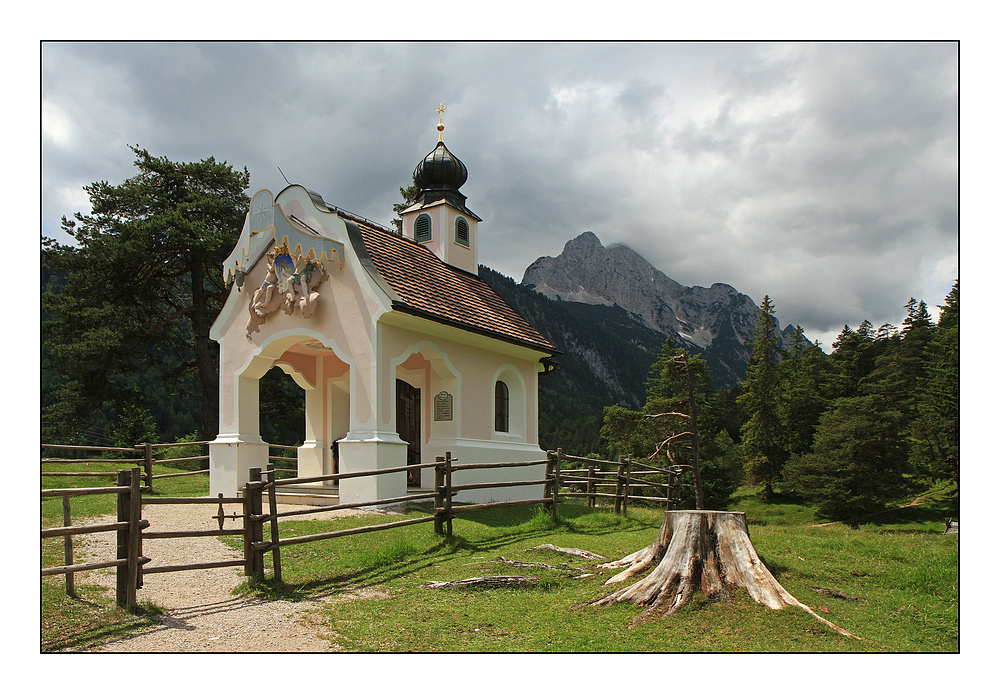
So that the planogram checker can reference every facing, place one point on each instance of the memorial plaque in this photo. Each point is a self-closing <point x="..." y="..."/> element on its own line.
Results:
<point x="443" y="406"/>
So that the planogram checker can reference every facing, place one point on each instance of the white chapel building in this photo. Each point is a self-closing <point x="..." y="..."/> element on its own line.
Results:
<point x="403" y="351"/>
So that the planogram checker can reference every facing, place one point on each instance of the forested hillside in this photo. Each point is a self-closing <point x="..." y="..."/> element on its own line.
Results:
<point x="874" y="423"/>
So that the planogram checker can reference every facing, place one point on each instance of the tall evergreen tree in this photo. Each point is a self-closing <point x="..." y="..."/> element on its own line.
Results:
<point x="142" y="276"/>
<point x="761" y="432"/>
<point x="935" y="431"/>
<point x="805" y="375"/>
<point x="853" y="356"/>
<point x="858" y="464"/>
<point x="900" y="369"/>
<point x="409" y="195"/>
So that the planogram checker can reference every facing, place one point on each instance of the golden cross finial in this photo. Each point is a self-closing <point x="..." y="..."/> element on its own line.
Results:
<point x="440" y="111"/>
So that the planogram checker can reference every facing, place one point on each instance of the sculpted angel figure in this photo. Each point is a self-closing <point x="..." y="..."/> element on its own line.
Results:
<point x="265" y="299"/>
<point x="287" y="286"/>
<point x="309" y="274"/>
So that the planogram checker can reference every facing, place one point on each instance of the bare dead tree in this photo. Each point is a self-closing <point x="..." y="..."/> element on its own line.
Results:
<point x="691" y="434"/>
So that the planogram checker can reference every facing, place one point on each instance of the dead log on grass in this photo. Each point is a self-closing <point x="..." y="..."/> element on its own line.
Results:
<point x="710" y="550"/>
<point x="536" y="565"/>
<point x="572" y="551"/>
<point x="485" y="582"/>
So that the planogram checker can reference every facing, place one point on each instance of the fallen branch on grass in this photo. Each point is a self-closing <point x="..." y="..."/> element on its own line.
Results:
<point x="536" y="565"/>
<point x="484" y="582"/>
<point x="836" y="594"/>
<point x="572" y="551"/>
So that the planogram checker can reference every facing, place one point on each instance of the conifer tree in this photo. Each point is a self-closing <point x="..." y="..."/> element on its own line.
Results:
<point x="853" y="356"/>
<point x="935" y="431"/>
<point x="675" y="411"/>
<point x="859" y="461"/>
<point x="761" y="431"/>
<point x="805" y="375"/>
<point x="143" y="277"/>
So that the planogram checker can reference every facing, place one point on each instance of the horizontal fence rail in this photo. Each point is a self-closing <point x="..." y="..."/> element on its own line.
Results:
<point x="148" y="452"/>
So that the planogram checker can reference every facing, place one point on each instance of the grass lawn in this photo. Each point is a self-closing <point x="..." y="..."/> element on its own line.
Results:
<point x="904" y="574"/>
<point x="903" y="571"/>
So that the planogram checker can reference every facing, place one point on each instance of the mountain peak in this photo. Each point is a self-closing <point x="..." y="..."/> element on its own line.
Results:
<point x="718" y="318"/>
<point x="586" y="240"/>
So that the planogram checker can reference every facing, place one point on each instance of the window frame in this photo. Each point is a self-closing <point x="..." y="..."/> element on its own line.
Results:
<point x="463" y="224"/>
<point x="501" y="407"/>
<point x="419" y="235"/>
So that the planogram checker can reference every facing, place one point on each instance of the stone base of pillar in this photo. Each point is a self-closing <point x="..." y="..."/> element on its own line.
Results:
<point x="311" y="461"/>
<point x="372" y="450"/>
<point x="230" y="458"/>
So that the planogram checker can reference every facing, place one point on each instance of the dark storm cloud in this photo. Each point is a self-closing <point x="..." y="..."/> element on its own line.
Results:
<point x="824" y="175"/>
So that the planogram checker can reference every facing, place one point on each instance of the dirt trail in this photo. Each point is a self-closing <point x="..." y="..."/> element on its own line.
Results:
<point x="201" y="613"/>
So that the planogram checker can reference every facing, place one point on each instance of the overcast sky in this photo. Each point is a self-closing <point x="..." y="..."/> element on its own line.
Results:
<point x="822" y="174"/>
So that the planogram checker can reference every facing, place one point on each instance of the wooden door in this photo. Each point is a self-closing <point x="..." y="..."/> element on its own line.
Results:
<point x="408" y="426"/>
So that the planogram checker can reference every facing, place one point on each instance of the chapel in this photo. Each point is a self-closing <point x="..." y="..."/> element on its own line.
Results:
<point x="402" y="350"/>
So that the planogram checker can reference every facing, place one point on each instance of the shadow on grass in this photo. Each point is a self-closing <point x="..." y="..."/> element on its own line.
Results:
<point x="401" y="559"/>
<point x="113" y="624"/>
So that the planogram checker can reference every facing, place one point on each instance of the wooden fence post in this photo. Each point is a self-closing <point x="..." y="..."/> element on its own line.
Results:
<point x="272" y="503"/>
<point x="590" y="486"/>
<point x="247" y="529"/>
<point x="256" y="525"/>
<point x="619" y="481"/>
<point x="447" y="490"/>
<point x="148" y="465"/>
<point x="135" y="535"/>
<point x="439" y="492"/>
<point x="555" y="482"/>
<point x="68" y="548"/>
<point x="127" y="573"/>
<point x="671" y="488"/>
<point x="550" y="466"/>
<point x="628" y="482"/>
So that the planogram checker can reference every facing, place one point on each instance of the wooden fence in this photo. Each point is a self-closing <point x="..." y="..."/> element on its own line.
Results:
<point x="626" y="476"/>
<point x="145" y="455"/>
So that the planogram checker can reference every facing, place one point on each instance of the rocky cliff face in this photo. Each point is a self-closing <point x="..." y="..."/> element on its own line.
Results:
<point x="717" y="321"/>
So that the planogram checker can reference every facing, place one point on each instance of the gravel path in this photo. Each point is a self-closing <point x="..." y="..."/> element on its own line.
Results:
<point x="201" y="613"/>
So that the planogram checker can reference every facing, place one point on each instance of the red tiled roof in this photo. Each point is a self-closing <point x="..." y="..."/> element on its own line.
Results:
<point x="431" y="288"/>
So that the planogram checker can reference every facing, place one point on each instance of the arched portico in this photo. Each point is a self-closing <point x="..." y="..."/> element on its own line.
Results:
<point x="320" y="368"/>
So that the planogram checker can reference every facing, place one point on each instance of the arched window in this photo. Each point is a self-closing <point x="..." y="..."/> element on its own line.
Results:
<point x="422" y="228"/>
<point x="462" y="232"/>
<point x="502" y="407"/>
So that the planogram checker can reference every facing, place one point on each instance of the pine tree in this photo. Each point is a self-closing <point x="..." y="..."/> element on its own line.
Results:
<point x="805" y="376"/>
<point x="409" y="195"/>
<point x="934" y="432"/>
<point x="853" y="357"/>
<point x="859" y="461"/>
<point x="143" y="277"/>
<point x="900" y="370"/>
<point x="761" y="432"/>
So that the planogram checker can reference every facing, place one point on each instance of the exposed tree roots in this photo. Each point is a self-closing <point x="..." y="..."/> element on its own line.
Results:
<point x="706" y="550"/>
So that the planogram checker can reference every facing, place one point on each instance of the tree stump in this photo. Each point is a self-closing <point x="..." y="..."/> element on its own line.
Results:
<point x="710" y="550"/>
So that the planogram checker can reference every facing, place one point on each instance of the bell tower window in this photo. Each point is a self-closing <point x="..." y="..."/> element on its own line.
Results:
<point x="422" y="228"/>
<point x="462" y="232"/>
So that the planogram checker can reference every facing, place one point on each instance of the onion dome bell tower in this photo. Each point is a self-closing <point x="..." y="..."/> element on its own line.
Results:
<point x="439" y="219"/>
